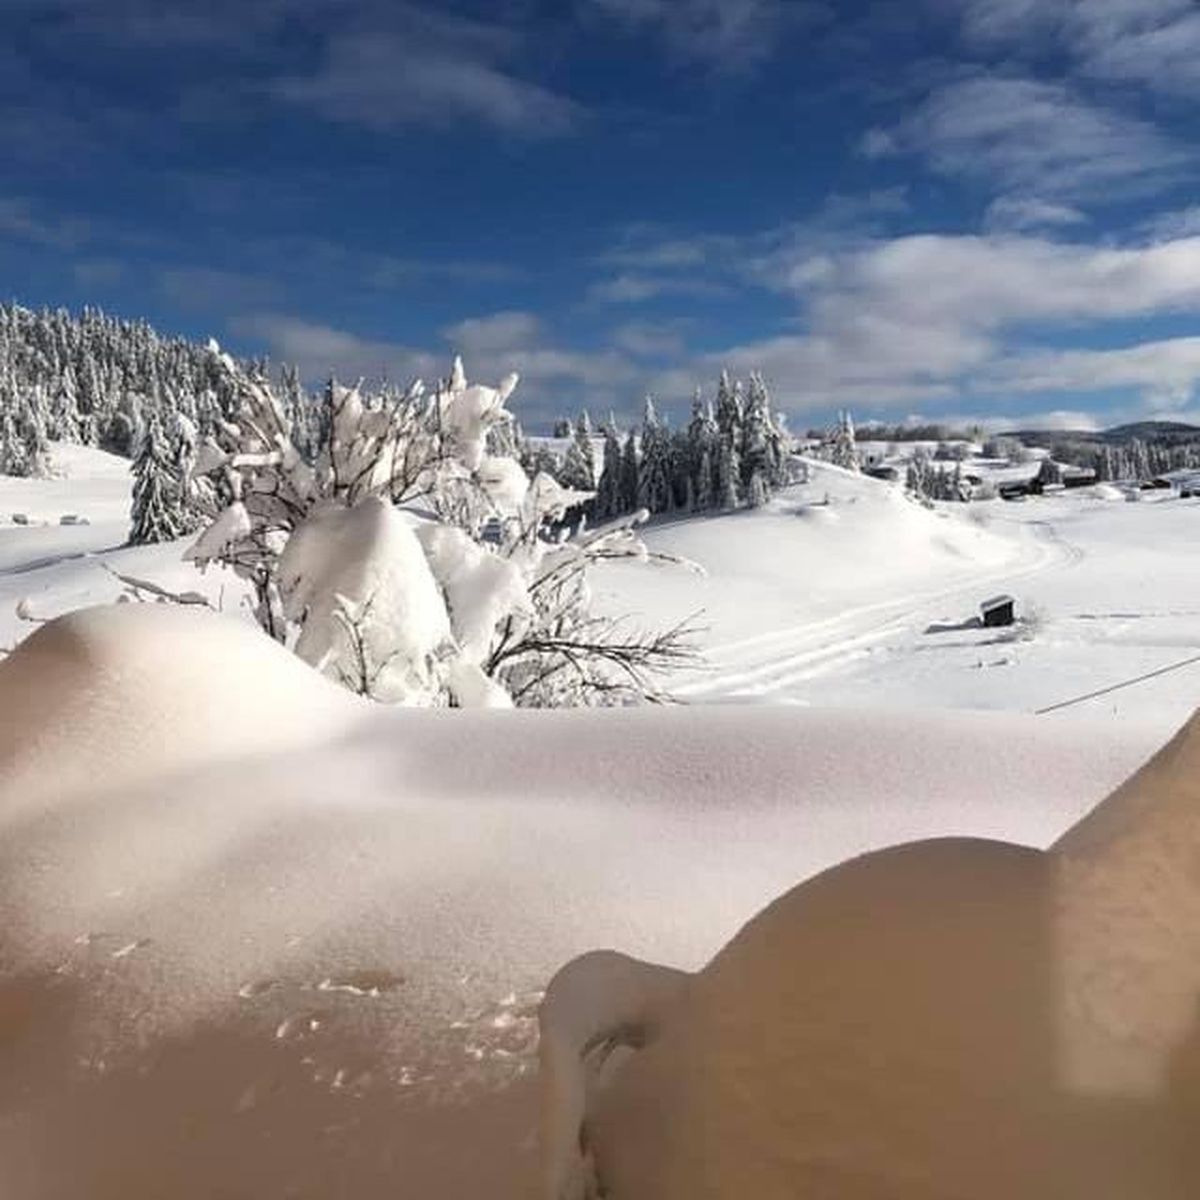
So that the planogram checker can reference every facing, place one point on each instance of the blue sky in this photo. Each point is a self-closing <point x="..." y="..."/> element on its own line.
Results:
<point x="952" y="208"/>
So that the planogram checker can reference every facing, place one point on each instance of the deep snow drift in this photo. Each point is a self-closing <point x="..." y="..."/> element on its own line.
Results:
<point x="949" y="1018"/>
<point x="314" y="973"/>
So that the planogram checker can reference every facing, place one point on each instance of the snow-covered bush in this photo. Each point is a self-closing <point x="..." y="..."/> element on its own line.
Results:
<point x="843" y="450"/>
<point x="410" y="564"/>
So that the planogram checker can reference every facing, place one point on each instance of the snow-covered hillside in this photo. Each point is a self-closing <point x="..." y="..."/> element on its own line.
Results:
<point x="314" y="972"/>
<point x="845" y="592"/>
<point x="302" y="956"/>
<point x="61" y="567"/>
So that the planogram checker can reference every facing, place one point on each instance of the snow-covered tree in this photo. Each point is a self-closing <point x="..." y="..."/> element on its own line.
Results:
<point x="729" y="471"/>
<point x="157" y="514"/>
<point x="579" y="465"/>
<point x="703" y="439"/>
<point x="843" y="449"/>
<point x="607" y="503"/>
<point x="655" y="490"/>
<point x="404" y="607"/>
<point x="729" y="408"/>
<point x="629" y="474"/>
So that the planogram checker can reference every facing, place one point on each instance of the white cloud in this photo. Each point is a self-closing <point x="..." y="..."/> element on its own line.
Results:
<point x="633" y="288"/>
<point x="516" y="341"/>
<point x="921" y="319"/>
<point x="1152" y="42"/>
<point x="1169" y="226"/>
<point x="1017" y="214"/>
<point x="650" y="339"/>
<point x="1032" y="137"/>
<point x="320" y="350"/>
<point x="1164" y="372"/>
<point x="388" y="80"/>
<point x="553" y="379"/>
<point x="498" y="333"/>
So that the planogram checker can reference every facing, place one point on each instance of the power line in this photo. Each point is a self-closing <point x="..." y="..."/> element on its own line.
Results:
<point x="1116" y="687"/>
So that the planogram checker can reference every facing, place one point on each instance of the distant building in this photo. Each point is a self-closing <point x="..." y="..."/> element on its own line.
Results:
<point x="999" y="610"/>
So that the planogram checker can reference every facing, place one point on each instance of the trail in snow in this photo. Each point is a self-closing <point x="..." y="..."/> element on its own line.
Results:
<point x="763" y="667"/>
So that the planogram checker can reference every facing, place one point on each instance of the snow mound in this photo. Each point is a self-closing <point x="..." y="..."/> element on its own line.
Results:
<point x="953" y="1017"/>
<point x="109" y="696"/>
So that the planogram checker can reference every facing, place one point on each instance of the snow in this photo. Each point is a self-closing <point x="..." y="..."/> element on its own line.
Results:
<point x="365" y="565"/>
<point x="168" y="928"/>
<point x="844" y="593"/>
<point x="264" y="939"/>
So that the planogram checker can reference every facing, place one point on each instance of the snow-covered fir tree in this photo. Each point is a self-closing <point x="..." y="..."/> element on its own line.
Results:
<point x="729" y="473"/>
<point x="630" y="475"/>
<point x="579" y="464"/>
<point x="158" y="494"/>
<point x="607" y="503"/>
<point x="655" y="485"/>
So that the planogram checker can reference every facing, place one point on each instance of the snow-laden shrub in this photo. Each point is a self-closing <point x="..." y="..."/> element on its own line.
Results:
<point x="410" y="564"/>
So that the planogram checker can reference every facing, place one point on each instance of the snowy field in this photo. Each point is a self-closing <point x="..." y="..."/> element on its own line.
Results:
<point x="845" y="594"/>
<point x="306" y="962"/>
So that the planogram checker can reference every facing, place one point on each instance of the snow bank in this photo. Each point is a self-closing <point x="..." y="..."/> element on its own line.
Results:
<point x="303" y="957"/>
<point x="108" y="697"/>
<point x="953" y="1018"/>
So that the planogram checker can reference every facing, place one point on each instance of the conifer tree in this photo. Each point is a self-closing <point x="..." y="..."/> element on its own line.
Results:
<point x="608" y="490"/>
<point x="579" y="464"/>
<point x="703" y="438"/>
<point x="156" y="515"/>
<point x="629" y="475"/>
<point x="654" y="474"/>
<point x="729" y="470"/>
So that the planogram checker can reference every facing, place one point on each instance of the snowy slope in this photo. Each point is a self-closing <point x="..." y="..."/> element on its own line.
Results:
<point x="60" y="568"/>
<point x="825" y="564"/>
<point x="872" y="600"/>
<point x="313" y="973"/>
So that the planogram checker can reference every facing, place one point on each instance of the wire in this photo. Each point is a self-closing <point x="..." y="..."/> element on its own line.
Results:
<point x="1116" y="687"/>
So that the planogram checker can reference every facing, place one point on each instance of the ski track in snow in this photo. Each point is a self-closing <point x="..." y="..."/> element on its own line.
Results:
<point x="762" y="667"/>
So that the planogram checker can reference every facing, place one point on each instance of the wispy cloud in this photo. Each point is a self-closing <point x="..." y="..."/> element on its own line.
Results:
<point x="20" y="220"/>
<point x="926" y="318"/>
<point x="661" y="263"/>
<point x="651" y="339"/>
<point x="554" y="379"/>
<point x="1019" y="214"/>
<point x="1171" y="226"/>
<point x="633" y="288"/>
<point x="1027" y="136"/>
<point x="731" y="35"/>
<point x="387" y="80"/>
<point x="209" y="289"/>
<point x="319" y="350"/>
<point x="1164" y="372"/>
<point x="1151" y="42"/>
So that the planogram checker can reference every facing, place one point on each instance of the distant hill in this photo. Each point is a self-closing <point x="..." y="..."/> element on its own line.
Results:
<point x="1162" y="433"/>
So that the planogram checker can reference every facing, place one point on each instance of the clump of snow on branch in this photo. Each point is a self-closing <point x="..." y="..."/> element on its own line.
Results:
<point x="407" y="562"/>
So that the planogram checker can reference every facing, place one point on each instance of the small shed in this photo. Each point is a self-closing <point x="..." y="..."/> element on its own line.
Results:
<point x="999" y="610"/>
